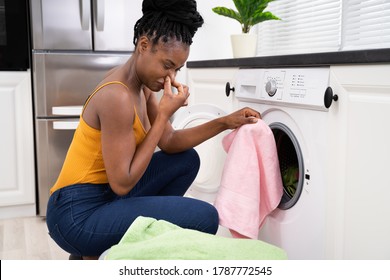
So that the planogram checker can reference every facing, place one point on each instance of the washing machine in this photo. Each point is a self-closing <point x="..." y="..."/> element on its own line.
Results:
<point x="294" y="103"/>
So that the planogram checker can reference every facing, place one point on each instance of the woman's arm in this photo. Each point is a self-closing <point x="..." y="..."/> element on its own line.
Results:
<point x="186" y="138"/>
<point x="191" y="137"/>
<point x="124" y="162"/>
<point x="173" y="141"/>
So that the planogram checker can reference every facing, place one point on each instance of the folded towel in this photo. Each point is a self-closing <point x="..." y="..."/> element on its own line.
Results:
<point x="148" y="239"/>
<point x="251" y="184"/>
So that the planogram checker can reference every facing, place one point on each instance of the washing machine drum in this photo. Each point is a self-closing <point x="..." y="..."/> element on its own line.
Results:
<point x="211" y="153"/>
<point x="290" y="162"/>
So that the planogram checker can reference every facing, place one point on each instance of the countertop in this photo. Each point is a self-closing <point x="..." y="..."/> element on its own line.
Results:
<point x="313" y="59"/>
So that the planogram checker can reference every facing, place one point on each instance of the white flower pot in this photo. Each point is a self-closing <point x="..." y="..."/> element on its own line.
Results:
<point x="244" y="45"/>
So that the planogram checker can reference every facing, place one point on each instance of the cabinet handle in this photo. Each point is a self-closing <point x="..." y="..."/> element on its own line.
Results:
<point x="329" y="97"/>
<point x="228" y="89"/>
<point x="65" y="125"/>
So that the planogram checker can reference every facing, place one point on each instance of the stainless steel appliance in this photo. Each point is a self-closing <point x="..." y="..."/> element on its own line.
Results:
<point x="14" y="35"/>
<point x="75" y="42"/>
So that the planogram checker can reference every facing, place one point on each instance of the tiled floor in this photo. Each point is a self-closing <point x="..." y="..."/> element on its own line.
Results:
<point x="27" y="239"/>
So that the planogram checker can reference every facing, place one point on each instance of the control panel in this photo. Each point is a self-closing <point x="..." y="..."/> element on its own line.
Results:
<point x="289" y="86"/>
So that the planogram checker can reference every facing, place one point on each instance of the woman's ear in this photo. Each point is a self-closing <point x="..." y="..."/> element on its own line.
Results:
<point x="143" y="44"/>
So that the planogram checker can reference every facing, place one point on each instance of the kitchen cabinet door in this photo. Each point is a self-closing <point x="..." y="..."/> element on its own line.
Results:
<point x="207" y="86"/>
<point x="358" y="181"/>
<point x="17" y="172"/>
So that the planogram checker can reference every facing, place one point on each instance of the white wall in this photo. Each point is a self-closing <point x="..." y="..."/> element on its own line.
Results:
<point x="212" y="40"/>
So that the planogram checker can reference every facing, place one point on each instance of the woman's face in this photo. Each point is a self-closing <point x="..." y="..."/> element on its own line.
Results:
<point x="160" y="60"/>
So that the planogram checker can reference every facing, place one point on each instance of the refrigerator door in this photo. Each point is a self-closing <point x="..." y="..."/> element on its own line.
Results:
<point x="114" y="24"/>
<point x="67" y="79"/>
<point x="53" y="140"/>
<point x="61" y="25"/>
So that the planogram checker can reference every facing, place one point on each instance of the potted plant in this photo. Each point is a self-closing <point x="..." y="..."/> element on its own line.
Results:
<point x="248" y="14"/>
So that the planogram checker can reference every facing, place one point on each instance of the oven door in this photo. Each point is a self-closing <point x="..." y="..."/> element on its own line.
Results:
<point x="14" y="35"/>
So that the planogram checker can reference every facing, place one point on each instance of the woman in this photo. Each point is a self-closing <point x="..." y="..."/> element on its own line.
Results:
<point x="112" y="174"/>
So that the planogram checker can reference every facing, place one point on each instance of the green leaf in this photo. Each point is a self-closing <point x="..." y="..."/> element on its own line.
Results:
<point x="227" y="13"/>
<point x="242" y="8"/>
<point x="260" y="17"/>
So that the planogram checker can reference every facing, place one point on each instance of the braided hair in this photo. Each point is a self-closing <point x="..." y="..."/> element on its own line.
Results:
<point x="167" y="19"/>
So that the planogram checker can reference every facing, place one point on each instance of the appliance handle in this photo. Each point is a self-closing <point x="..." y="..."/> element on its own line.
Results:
<point x="65" y="125"/>
<point x="99" y="9"/>
<point x="85" y="13"/>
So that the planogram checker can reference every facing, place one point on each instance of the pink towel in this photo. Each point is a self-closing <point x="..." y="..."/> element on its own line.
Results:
<point x="251" y="185"/>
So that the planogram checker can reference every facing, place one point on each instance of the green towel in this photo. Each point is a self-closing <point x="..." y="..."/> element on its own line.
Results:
<point x="151" y="239"/>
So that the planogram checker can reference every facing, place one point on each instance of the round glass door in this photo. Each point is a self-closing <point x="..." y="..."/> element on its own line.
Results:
<point x="291" y="164"/>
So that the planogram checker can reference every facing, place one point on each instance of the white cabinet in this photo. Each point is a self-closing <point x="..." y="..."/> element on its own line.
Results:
<point x="17" y="184"/>
<point x="358" y="177"/>
<point x="207" y="86"/>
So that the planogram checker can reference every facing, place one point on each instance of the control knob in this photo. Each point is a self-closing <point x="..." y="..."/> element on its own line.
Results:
<point x="271" y="87"/>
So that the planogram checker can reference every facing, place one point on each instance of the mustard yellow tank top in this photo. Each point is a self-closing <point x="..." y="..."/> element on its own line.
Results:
<point x="84" y="160"/>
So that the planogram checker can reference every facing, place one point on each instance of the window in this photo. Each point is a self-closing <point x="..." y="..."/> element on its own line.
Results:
<point x="312" y="26"/>
<point x="366" y="24"/>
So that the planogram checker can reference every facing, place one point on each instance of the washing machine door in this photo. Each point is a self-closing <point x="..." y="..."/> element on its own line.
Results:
<point x="211" y="153"/>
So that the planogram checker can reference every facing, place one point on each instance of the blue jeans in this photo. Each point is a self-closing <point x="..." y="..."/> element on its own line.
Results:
<point x="87" y="219"/>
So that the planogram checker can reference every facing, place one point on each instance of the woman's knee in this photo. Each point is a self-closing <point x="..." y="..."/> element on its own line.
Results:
<point x="192" y="157"/>
<point x="214" y="220"/>
<point x="210" y="218"/>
